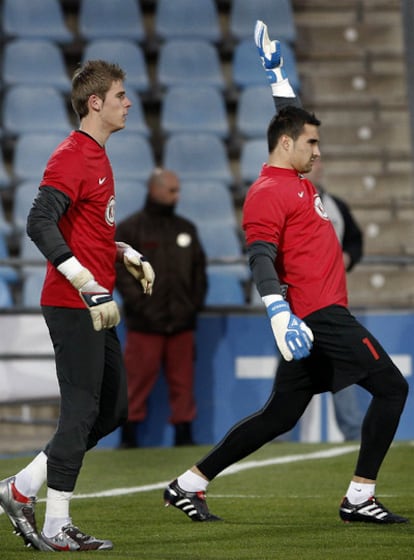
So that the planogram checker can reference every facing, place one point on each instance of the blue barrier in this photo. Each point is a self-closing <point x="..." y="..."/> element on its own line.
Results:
<point x="235" y="362"/>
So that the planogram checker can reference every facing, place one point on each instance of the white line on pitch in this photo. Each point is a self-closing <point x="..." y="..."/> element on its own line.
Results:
<point x="326" y="454"/>
<point x="243" y="466"/>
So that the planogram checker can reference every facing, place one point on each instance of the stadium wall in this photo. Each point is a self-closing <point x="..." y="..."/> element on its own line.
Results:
<point x="235" y="364"/>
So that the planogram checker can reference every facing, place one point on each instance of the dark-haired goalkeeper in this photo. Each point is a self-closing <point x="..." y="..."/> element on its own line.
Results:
<point x="292" y="243"/>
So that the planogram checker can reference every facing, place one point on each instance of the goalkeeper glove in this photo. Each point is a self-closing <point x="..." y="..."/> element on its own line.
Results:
<point x="137" y="265"/>
<point x="272" y="60"/>
<point x="293" y="337"/>
<point x="102" y="308"/>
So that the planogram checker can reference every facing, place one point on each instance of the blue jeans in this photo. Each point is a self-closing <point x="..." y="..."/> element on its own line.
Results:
<point x="348" y="413"/>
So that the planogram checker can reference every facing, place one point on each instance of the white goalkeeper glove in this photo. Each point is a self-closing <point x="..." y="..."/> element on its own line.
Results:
<point x="293" y="337"/>
<point x="137" y="265"/>
<point x="272" y="60"/>
<point x="102" y="308"/>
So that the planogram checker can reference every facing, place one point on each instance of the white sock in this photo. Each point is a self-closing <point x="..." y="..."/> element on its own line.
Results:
<point x="359" y="492"/>
<point x="192" y="482"/>
<point x="30" y="479"/>
<point x="57" y="511"/>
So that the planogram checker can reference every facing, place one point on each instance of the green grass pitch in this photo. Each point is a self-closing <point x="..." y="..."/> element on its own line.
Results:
<point x="286" y="511"/>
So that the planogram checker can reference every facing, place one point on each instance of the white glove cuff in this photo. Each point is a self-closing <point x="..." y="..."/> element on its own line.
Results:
<point x="131" y="253"/>
<point x="77" y="274"/>
<point x="268" y="300"/>
<point x="70" y="268"/>
<point x="282" y="88"/>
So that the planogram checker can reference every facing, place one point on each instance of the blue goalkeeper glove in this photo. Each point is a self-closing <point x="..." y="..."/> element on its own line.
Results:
<point x="270" y="54"/>
<point x="293" y="337"/>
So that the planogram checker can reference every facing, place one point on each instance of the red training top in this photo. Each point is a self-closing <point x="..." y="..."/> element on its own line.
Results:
<point x="284" y="208"/>
<point x="80" y="168"/>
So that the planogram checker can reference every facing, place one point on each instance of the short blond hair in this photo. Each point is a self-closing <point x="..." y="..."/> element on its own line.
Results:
<point x="93" y="77"/>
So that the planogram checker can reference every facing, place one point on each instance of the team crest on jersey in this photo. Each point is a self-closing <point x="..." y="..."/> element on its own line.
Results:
<point x="320" y="210"/>
<point x="110" y="211"/>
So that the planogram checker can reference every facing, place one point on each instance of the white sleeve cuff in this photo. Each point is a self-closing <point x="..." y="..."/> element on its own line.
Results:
<point x="282" y="89"/>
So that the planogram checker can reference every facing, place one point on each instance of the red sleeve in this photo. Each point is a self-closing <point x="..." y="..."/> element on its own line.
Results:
<point x="263" y="217"/>
<point x="65" y="172"/>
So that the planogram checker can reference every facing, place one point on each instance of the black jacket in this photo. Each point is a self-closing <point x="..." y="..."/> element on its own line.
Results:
<point x="171" y="244"/>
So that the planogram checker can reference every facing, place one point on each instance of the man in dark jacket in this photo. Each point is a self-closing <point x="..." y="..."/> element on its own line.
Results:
<point x="160" y="329"/>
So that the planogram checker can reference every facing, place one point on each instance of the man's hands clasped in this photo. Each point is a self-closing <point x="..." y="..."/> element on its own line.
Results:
<point x="293" y="337"/>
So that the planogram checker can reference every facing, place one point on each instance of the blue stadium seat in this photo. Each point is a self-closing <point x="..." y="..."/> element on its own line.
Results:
<point x="254" y="296"/>
<point x="129" y="198"/>
<point x="115" y="19"/>
<point x="29" y="251"/>
<point x="131" y="156"/>
<point x="220" y="241"/>
<point x="5" y="179"/>
<point x="224" y="289"/>
<point x="33" y="278"/>
<point x="136" y="121"/>
<point x="34" y="109"/>
<point x="239" y="270"/>
<point x="248" y="69"/>
<point x="197" y="155"/>
<point x="254" y="154"/>
<point x="210" y="201"/>
<point x="5" y="225"/>
<point x="254" y="111"/>
<point x="36" y="19"/>
<point x="127" y="54"/>
<point x="7" y="272"/>
<point x="277" y="14"/>
<point x="6" y="297"/>
<point x="32" y="152"/>
<point x="187" y="19"/>
<point x="195" y="109"/>
<point x="25" y="62"/>
<point x="189" y="63"/>
<point x="23" y="200"/>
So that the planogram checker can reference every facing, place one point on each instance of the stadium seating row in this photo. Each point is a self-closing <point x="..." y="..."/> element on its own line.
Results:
<point x="124" y="19"/>
<point x="181" y="62"/>
<point x="33" y="52"/>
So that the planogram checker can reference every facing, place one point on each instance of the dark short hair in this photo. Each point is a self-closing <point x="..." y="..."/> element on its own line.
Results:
<point x="289" y="120"/>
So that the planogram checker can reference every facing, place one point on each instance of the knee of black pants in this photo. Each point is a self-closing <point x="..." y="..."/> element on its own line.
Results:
<point x="105" y="426"/>
<point x="389" y="384"/>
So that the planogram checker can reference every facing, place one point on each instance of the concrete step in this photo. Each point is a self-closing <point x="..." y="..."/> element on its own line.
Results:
<point x="386" y="231"/>
<point x="346" y="12"/>
<point x="357" y="41"/>
<point x="381" y="286"/>
<point x="360" y="88"/>
<point x="26" y="427"/>
<point x="362" y="187"/>
<point x="387" y="137"/>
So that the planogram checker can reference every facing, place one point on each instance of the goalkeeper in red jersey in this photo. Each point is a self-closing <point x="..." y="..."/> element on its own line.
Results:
<point x="297" y="266"/>
<point x="72" y="222"/>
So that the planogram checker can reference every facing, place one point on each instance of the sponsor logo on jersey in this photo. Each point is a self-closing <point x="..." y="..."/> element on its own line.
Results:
<point x="320" y="210"/>
<point x="101" y="180"/>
